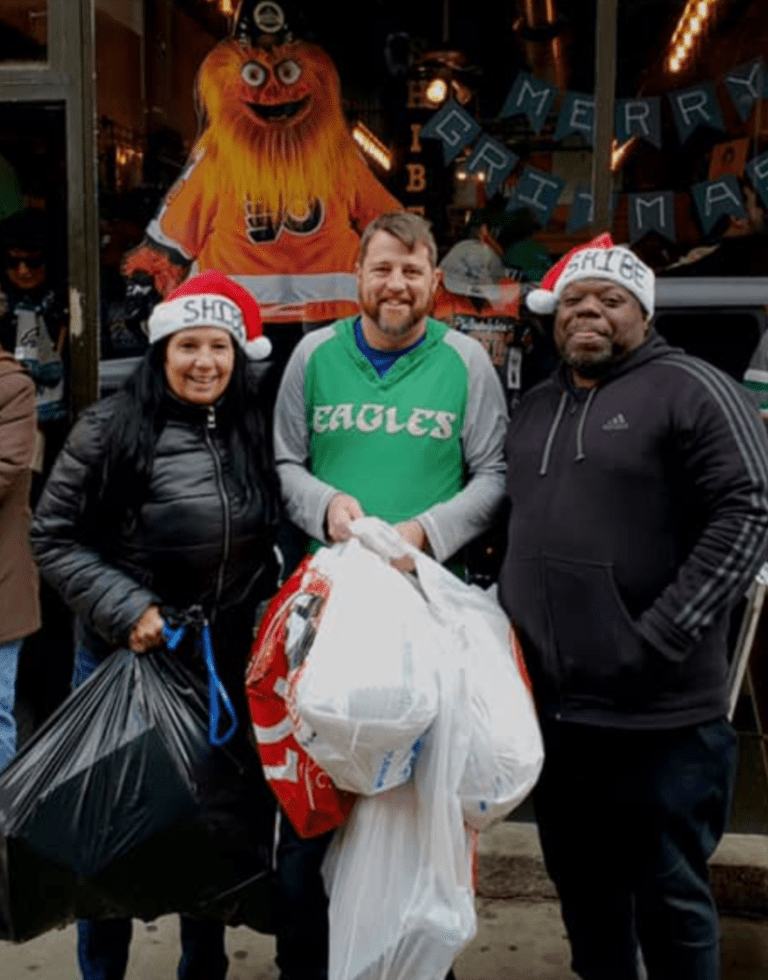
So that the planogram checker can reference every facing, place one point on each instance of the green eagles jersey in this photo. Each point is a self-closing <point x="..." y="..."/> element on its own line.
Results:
<point x="394" y="443"/>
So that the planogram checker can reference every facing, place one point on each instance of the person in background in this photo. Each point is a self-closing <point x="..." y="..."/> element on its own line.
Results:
<point x="638" y="482"/>
<point x="756" y="377"/>
<point x="33" y="327"/>
<point x="19" y="606"/>
<point x="164" y="497"/>
<point x="392" y="414"/>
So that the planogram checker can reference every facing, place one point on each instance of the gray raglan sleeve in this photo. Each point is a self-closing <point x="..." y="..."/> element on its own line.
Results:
<point x="305" y="497"/>
<point x="453" y="523"/>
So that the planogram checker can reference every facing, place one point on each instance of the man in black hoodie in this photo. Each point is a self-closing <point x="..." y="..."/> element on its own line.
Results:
<point x="638" y="478"/>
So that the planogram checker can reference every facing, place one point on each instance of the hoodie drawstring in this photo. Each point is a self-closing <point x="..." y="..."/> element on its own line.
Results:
<point x="582" y="421"/>
<point x="552" y="433"/>
<point x="580" y="455"/>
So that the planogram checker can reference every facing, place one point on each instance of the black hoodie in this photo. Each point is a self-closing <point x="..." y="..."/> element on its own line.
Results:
<point x="639" y="516"/>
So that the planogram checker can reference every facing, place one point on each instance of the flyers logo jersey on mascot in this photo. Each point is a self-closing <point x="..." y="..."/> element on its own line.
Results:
<point x="275" y="193"/>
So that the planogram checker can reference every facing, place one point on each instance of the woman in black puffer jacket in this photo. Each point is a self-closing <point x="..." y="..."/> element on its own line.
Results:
<point x="163" y="498"/>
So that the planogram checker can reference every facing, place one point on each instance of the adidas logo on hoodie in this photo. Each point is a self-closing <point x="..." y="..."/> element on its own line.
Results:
<point x="616" y="423"/>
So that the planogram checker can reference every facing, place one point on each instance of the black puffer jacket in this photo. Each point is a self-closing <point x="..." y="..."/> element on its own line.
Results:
<point x="193" y="539"/>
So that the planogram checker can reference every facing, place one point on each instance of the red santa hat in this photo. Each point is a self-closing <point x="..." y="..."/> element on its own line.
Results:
<point x="211" y="299"/>
<point x="598" y="259"/>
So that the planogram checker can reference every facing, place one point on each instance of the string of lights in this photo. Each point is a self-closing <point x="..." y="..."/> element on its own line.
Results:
<point x="227" y="7"/>
<point x="696" y="17"/>
<point x="372" y="146"/>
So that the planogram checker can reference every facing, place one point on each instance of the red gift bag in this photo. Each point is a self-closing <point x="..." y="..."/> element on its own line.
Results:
<point x="304" y="790"/>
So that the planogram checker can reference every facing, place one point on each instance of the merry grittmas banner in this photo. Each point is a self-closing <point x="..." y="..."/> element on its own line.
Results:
<point x="639" y="118"/>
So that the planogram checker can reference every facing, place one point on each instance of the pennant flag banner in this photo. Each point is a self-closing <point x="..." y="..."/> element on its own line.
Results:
<point x="694" y="107"/>
<point x="577" y="115"/>
<point x="634" y="118"/>
<point x="582" y="210"/>
<point x="757" y="170"/>
<point x="538" y="191"/>
<point x="691" y="107"/>
<point x="654" y="211"/>
<point x="530" y="97"/>
<point x="639" y="117"/>
<point x="454" y="127"/>
<point x="494" y="160"/>
<point x="715" y="198"/>
<point x="745" y="85"/>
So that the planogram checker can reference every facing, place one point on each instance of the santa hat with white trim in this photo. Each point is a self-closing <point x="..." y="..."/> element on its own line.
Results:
<point x="598" y="259"/>
<point x="211" y="299"/>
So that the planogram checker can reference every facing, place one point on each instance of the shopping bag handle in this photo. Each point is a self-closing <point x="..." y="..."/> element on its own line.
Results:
<point x="387" y="542"/>
<point x="383" y="539"/>
<point x="217" y="693"/>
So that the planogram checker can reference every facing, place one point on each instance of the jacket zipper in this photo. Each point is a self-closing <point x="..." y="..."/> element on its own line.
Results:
<point x="209" y="427"/>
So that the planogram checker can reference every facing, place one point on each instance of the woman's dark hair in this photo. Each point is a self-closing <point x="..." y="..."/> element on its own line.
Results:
<point x="141" y="413"/>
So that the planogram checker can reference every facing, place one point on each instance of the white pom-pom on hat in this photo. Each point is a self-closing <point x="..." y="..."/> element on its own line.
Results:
<point x="259" y="349"/>
<point x="541" y="301"/>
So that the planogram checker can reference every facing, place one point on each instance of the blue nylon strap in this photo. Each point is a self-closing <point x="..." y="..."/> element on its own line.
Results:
<point x="173" y="637"/>
<point x="216" y="690"/>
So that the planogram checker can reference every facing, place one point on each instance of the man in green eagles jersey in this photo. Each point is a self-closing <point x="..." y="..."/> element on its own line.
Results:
<point x="391" y="414"/>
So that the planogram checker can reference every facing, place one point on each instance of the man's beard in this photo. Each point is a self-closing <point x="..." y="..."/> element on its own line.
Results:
<point x="396" y="330"/>
<point x="393" y="328"/>
<point x="595" y="363"/>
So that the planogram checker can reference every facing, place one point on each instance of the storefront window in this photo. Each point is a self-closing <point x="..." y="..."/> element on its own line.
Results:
<point x="23" y="30"/>
<point x="485" y="125"/>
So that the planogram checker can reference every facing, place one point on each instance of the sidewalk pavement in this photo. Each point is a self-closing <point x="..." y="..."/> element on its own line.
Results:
<point x="520" y="933"/>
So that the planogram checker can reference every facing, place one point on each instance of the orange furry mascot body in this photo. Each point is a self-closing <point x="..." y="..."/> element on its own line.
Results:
<point x="275" y="192"/>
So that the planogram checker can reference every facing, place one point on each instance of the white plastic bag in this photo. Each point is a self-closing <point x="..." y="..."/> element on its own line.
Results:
<point x="506" y="751"/>
<point x="398" y="872"/>
<point x="367" y="691"/>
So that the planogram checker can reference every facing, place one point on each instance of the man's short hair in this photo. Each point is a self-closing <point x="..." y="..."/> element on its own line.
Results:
<point x="409" y="229"/>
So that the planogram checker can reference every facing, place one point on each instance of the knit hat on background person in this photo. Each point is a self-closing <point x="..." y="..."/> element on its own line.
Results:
<point x="211" y="299"/>
<point x="598" y="259"/>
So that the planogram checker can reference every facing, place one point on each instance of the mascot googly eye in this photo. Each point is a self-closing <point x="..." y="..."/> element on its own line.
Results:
<point x="253" y="74"/>
<point x="288" y="71"/>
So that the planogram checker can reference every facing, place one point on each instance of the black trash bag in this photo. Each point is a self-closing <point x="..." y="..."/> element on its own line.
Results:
<point x="119" y="807"/>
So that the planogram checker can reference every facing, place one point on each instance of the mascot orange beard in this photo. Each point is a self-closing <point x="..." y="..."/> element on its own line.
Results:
<point x="275" y="186"/>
